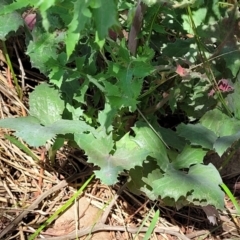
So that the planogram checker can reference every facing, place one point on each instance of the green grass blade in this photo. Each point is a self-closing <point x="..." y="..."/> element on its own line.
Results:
<point x="61" y="210"/>
<point x="21" y="146"/>
<point x="152" y="226"/>
<point x="19" y="90"/>
<point x="232" y="198"/>
<point x="143" y="222"/>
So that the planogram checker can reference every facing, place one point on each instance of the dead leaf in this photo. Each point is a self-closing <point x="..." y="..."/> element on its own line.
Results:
<point x="88" y="216"/>
<point x="181" y="71"/>
<point x="212" y="214"/>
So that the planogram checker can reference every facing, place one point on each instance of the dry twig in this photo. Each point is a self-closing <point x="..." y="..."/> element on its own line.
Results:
<point x="34" y="205"/>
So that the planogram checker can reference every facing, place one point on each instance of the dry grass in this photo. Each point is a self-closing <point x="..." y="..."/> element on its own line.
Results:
<point x="31" y="191"/>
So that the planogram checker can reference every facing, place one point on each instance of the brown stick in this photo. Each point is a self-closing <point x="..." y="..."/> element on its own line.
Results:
<point x="103" y="227"/>
<point x="136" y="27"/>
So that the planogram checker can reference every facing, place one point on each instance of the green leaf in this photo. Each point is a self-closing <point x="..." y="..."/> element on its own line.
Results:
<point x="81" y="15"/>
<point x="185" y="3"/>
<point x="147" y="139"/>
<point x="73" y="113"/>
<point x="142" y="69"/>
<point x="42" y="48"/>
<point x="70" y="86"/>
<point x="197" y="135"/>
<point x="220" y="123"/>
<point x="98" y="152"/>
<point x="105" y="118"/>
<point x="230" y="54"/>
<point x="21" y="146"/>
<point x="95" y="3"/>
<point x="171" y="138"/>
<point x="200" y="185"/>
<point x="43" y="6"/>
<point x="141" y="178"/>
<point x="58" y="143"/>
<point x="152" y="225"/>
<point x="34" y="134"/>
<point x="63" y="126"/>
<point x="148" y="178"/>
<point x="9" y="22"/>
<point x="29" y="129"/>
<point x="206" y="186"/>
<point x="105" y="17"/>
<point x="95" y="82"/>
<point x="57" y="70"/>
<point x="198" y="16"/>
<point x="223" y="143"/>
<point x="233" y="100"/>
<point x="130" y="152"/>
<point x="159" y="29"/>
<point x="202" y="15"/>
<point x="135" y="182"/>
<point x="180" y="48"/>
<point x="62" y="12"/>
<point x="70" y="89"/>
<point x="129" y="83"/>
<point x="188" y="157"/>
<point x="46" y="104"/>
<point x="16" y="5"/>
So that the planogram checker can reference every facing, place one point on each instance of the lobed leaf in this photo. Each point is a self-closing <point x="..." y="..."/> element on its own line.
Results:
<point x="171" y="138"/>
<point x="200" y="185"/>
<point x="141" y="178"/>
<point x="126" y="90"/>
<point x="104" y="17"/>
<point x="33" y="133"/>
<point x="9" y="22"/>
<point x="232" y="60"/>
<point x="81" y="15"/>
<point x="197" y="135"/>
<point x="130" y="152"/>
<point x="16" y="5"/>
<point x="147" y="139"/>
<point x="188" y="157"/>
<point x="181" y="48"/>
<point x="29" y="129"/>
<point x="223" y="143"/>
<point x="220" y="123"/>
<point x="43" y="48"/>
<point x="98" y="152"/>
